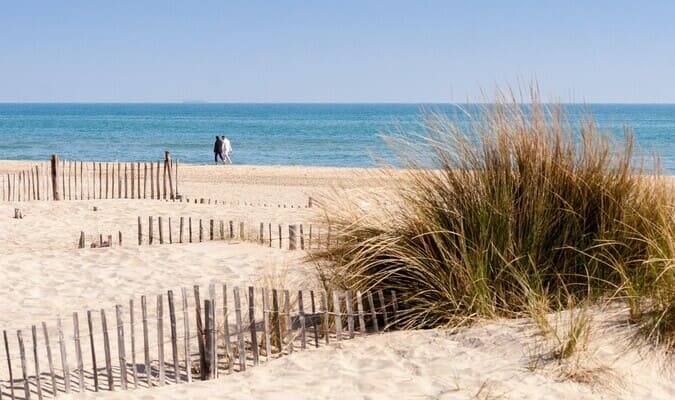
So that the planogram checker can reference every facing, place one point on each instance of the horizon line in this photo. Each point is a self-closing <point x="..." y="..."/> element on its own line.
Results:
<point x="197" y="102"/>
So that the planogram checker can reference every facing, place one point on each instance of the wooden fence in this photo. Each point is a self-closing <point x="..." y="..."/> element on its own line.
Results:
<point x="310" y="203"/>
<point x="160" y="230"/>
<point x="228" y="332"/>
<point x="80" y="180"/>
<point x="31" y="184"/>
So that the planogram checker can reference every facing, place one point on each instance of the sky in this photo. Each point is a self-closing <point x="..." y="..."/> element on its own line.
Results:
<point x="335" y="51"/>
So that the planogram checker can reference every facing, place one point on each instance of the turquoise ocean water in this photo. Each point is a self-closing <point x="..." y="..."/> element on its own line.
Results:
<point x="285" y="134"/>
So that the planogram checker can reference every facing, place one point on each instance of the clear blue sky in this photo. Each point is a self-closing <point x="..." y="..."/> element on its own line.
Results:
<point x="337" y="51"/>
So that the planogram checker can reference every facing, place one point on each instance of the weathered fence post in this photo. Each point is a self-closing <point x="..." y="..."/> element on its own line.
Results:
<point x="180" y="232"/>
<point x="22" y="354"/>
<point x="56" y="194"/>
<point x="132" y="334"/>
<point x="186" y="336"/>
<point x="241" y="349"/>
<point x="169" y="169"/>
<point x="49" y="360"/>
<point x="160" y="340"/>
<point x="94" y="370"/>
<point x="120" y="347"/>
<point x="292" y="241"/>
<point x="78" y="351"/>
<point x="150" y="235"/>
<point x="203" y="366"/>
<point x="251" y="317"/>
<point x="146" y="345"/>
<point x="226" y="332"/>
<point x="208" y="328"/>
<point x="37" y="363"/>
<point x="9" y="365"/>
<point x="106" y="350"/>
<point x="174" y="337"/>
<point x="64" y="357"/>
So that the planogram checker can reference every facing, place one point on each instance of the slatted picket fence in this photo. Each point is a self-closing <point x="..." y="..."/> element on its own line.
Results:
<point x="191" y="338"/>
<point x="243" y="203"/>
<point x="167" y="230"/>
<point x="90" y="180"/>
<point x="29" y="185"/>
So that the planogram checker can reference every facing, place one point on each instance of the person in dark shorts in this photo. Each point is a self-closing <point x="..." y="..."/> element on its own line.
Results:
<point x="218" y="150"/>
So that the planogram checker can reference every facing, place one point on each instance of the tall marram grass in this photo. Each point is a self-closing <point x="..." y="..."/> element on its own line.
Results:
<point x="523" y="211"/>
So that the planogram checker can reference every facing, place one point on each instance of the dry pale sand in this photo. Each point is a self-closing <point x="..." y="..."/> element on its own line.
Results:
<point x="45" y="275"/>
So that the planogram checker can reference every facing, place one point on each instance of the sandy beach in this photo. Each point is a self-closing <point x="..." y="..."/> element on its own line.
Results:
<point x="45" y="275"/>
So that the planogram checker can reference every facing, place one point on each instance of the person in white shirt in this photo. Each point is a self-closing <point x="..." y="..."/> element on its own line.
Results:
<point x="227" y="149"/>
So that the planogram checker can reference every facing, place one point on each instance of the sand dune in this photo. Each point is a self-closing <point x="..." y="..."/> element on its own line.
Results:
<point x="45" y="275"/>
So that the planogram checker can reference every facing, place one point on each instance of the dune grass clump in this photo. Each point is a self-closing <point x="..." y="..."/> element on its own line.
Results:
<point x="522" y="213"/>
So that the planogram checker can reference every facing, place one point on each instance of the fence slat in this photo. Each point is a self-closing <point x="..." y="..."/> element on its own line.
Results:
<point x="350" y="315"/>
<point x="277" y="320"/>
<point x="121" y="351"/>
<point x="190" y="229"/>
<point x="160" y="227"/>
<point x="359" y="305"/>
<point x="226" y="331"/>
<point x="107" y="168"/>
<point x="132" y="334"/>
<point x="50" y="362"/>
<point x="316" y="330"/>
<point x="78" y="351"/>
<point x="38" y="382"/>
<point x="395" y="306"/>
<point x="200" y="334"/>
<point x="106" y="351"/>
<point x="212" y="333"/>
<point x="209" y="342"/>
<point x="251" y="317"/>
<point x="112" y="182"/>
<point x="301" y="315"/>
<point x="186" y="336"/>
<point x="373" y="312"/>
<point x="380" y="295"/>
<point x="9" y="363"/>
<point x="24" y="371"/>
<point x="140" y="232"/>
<point x="94" y="371"/>
<point x="145" y="180"/>
<point x="240" y="335"/>
<point x="338" y="315"/>
<point x="64" y="356"/>
<point x="133" y="182"/>
<point x="289" y="324"/>
<point x="160" y="340"/>
<point x="150" y="235"/>
<point x="146" y="344"/>
<point x="174" y="338"/>
<point x="326" y="316"/>
<point x="159" y="192"/>
<point x="266" y="324"/>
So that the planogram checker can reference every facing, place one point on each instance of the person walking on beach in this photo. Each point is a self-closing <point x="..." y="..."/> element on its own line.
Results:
<point x="227" y="148"/>
<point x="218" y="150"/>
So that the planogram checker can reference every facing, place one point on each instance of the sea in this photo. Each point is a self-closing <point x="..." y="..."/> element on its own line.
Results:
<point x="341" y="135"/>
